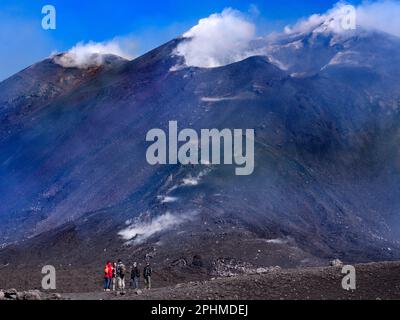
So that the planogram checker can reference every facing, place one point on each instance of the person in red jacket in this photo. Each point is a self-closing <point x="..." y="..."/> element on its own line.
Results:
<point x="108" y="274"/>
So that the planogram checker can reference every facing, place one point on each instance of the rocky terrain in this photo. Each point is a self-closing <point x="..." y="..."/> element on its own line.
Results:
<point x="375" y="281"/>
<point x="221" y="253"/>
<point x="13" y="294"/>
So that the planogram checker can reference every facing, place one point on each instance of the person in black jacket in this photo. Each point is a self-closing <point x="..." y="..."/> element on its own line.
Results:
<point x="135" y="275"/>
<point x="147" y="275"/>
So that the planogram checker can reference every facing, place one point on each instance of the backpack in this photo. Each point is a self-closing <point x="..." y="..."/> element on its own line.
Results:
<point x="147" y="272"/>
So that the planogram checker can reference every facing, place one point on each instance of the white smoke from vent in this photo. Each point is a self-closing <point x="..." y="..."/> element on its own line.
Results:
<point x="167" y="199"/>
<point x="381" y="15"/>
<point x="218" y="40"/>
<point x="226" y="37"/>
<point x="340" y="18"/>
<point x="92" y="54"/>
<point x="378" y="15"/>
<point x="139" y="232"/>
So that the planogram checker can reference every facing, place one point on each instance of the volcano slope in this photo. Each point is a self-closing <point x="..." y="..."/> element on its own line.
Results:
<point x="326" y="181"/>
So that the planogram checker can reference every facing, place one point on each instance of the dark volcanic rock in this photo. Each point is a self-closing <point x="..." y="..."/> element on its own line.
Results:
<point x="32" y="295"/>
<point x="197" y="261"/>
<point x="326" y="182"/>
<point x="11" y="294"/>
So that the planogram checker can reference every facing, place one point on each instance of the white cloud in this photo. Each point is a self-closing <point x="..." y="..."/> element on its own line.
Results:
<point x="91" y="54"/>
<point x="217" y="40"/>
<point x="140" y="231"/>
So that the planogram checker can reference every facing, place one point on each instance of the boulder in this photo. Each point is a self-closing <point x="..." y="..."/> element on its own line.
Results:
<point x="32" y="295"/>
<point x="20" y="296"/>
<point x="11" y="294"/>
<point x="197" y="261"/>
<point x="336" y="263"/>
<point x="55" y="296"/>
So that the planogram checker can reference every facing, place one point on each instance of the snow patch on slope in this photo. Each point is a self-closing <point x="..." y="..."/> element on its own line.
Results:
<point x="218" y="99"/>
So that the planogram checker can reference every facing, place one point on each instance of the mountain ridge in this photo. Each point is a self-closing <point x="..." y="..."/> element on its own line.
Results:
<point x="78" y="171"/>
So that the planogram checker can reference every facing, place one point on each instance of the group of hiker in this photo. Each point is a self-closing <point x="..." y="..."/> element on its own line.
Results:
<point x="115" y="275"/>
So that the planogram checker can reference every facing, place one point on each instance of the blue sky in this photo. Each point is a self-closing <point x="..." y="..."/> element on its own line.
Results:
<point x="149" y="23"/>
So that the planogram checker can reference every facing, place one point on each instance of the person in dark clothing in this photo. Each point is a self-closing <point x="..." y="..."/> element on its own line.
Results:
<point x="120" y="273"/>
<point x="135" y="276"/>
<point x="147" y="271"/>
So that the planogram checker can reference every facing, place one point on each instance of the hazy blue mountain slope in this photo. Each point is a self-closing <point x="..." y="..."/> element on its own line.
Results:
<point x="327" y="160"/>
